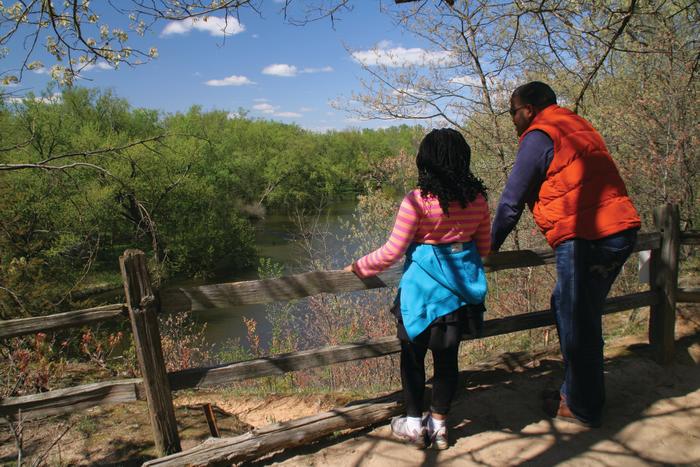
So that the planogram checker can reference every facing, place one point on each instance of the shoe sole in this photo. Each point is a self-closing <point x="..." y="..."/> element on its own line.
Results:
<point x="440" y="446"/>
<point x="578" y="422"/>
<point x="410" y="442"/>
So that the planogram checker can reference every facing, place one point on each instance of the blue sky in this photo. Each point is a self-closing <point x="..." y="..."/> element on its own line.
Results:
<point x="273" y="69"/>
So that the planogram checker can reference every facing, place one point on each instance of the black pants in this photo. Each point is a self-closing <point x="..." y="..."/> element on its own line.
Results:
<point x="413" y="377"/>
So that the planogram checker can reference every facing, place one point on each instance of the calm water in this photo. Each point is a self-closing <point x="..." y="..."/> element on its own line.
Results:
<point x="278" y="238"/>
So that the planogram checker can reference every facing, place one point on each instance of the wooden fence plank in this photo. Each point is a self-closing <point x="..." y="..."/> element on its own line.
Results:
<point x="664" y="280"/>
<point x="690" y="237"/>
<point x="77" y="318"/>
<point x="61" y="400"/>
<point x="688" y="295"/>
<point x="70" y="399"/>
<point x="227" y="451"/>
<point x="279" y="365"/>
<point x="312" y="283"/>
<point x="144" y="326"/>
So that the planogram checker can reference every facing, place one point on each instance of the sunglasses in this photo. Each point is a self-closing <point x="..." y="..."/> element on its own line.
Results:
<point x="514" y="111"/>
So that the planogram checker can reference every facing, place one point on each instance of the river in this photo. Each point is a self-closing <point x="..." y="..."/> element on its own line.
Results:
<point x="277" y="238"/>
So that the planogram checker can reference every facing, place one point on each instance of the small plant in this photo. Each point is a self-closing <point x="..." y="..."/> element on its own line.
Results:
<point x="184" y="342"/>
<point x="32" y="364"/>
<point x="86" y="425"/>
<point x="100" y="350"/>
<point x="232" y="351"/>
<point x="252" y="335"/>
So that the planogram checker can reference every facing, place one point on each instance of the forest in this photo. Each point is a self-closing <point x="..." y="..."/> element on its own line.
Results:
<point x="185" y="187"/>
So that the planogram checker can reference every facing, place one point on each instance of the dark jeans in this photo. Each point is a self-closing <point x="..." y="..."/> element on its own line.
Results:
<point x="586" y="269"/>
<point x="413" y="378"/>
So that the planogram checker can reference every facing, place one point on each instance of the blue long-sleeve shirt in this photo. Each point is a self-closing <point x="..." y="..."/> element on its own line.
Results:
<point x="532" y="161"/>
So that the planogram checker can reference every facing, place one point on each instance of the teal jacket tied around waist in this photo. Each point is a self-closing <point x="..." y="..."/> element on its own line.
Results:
<point x="438" y="279"/>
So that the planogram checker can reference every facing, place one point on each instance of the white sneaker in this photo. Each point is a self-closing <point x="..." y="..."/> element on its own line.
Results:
<point x="399" y="429"/>
<point x="436" y="439"/>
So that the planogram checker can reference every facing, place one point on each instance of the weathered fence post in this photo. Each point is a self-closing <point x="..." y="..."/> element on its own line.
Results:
<point x="664" y="280"/>
<point x="144" y="324"/>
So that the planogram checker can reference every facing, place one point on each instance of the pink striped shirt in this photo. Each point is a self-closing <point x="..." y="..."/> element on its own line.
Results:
<point x="421" y="220"/>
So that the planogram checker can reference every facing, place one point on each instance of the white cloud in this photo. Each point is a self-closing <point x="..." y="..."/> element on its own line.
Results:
<point x="322" y="129"/>
<point x="255" y="36"/>
<point x="55" y="98"/>
<point x="397" y="57"/>
<point x="265" y="108"/>
<point x="232" y="80"/>
<point x="408" y="92"/>
<point x="353" y="120"/>
<point x="305" y="109"/>
<point x="325" y="69"/>
<point x="260" y="99"/>
<point x="287" y="114"/>
<point x="280" y="69"/>
<point x="466" y="80"/>
<point x="288" y="71"/>
<point x="96" y="66"/>
<point x="269" y="109"/>
<point x="214" y="25"/>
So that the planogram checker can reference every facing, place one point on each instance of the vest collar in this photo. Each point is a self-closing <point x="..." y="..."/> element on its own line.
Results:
<point x="541" y="116"/>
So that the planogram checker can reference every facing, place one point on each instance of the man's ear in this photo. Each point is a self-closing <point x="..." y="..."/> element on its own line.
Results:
<point x="531" y="111"/>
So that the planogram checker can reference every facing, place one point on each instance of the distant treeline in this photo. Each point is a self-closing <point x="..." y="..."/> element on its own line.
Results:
<point x="84" y="175"/>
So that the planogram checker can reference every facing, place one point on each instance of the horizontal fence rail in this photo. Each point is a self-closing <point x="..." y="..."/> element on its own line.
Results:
<point x="688" y="295"/>
<point x="285" y="288"/>
<point x="77" y="318"/>
<point x="70" y="399"/>
<point x="66" y="400"/>
<point x="201" y="377"/>
<point x="313" y="283"/>
<point x="691" y="237"/>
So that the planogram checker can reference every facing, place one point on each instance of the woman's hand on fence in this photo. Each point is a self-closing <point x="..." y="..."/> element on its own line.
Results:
<point x="349" y="268"/>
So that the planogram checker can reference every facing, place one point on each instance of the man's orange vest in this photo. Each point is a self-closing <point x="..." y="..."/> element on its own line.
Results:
<point x="583" y="195"/>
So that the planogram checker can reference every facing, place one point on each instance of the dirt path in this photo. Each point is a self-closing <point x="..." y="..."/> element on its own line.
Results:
<point x="652" y="418"/>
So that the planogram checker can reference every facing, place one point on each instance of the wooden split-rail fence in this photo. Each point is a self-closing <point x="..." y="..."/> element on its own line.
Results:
<point x="155" y="386"/>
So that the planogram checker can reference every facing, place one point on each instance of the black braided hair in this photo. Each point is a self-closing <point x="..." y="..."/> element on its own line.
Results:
<point x="443" y="169"/>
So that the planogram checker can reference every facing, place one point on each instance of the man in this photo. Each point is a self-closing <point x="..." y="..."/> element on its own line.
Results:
<point x="563" y="171"/>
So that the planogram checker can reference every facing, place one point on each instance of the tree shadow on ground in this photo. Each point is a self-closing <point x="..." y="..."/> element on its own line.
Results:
<point x="505" y="400"/>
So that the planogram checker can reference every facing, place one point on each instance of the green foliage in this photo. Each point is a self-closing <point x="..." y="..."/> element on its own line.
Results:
<point x="103" y="176"/>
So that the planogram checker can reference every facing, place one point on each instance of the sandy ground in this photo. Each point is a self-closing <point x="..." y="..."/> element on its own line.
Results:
<point x="652" y="418"/>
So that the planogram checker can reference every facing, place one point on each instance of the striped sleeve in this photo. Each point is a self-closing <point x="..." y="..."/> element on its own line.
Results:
<point x="482" y="235"/>
<point x="402" y="234"/>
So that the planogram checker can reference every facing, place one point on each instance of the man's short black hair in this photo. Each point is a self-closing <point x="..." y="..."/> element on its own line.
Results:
<point x="535" y="93"/>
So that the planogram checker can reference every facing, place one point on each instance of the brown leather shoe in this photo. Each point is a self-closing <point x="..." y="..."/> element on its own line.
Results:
<point x="565" y="413"/>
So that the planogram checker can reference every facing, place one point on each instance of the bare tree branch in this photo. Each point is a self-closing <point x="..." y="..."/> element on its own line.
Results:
<point x="600" y="62"/>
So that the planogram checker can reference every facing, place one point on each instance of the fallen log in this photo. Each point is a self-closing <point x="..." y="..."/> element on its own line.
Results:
<point x="270" y="438"/>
